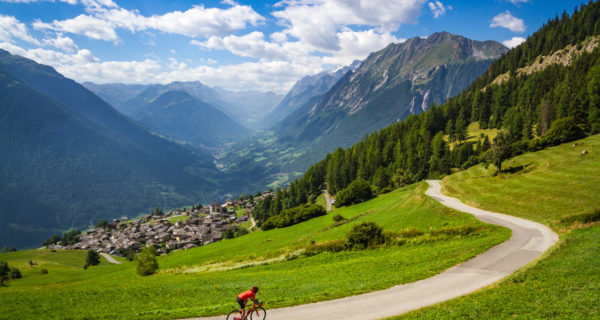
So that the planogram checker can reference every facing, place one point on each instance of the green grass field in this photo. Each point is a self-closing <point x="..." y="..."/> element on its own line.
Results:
<point x="205" y="280"/>
<point x="552" y="184"/>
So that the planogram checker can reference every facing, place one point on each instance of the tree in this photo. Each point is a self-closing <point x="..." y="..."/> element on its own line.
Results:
<point x="364" y="235"/>
<point x="157" y="212"/>
<point x="15" y="273"/>
<point x="4" y="270"/>
<point x="102" y="224"/>
<point x="145" y="263"/>
<point x="92" y="258"/>
<point x="500" y="151"/>
<point x="55" y="238"/>
<point x="9" y="249"/>
<point x="358" y="191"/>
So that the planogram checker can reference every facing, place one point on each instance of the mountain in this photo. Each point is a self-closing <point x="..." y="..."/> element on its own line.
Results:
<point x="251" y="107"/>
<point x="391" y="84"/>
<point x="69" y="159"/>
<point x="306" y="89"/>
<point x="246" y="107"/>
<point x="542" y="93"/>
<point x="180" y="116"/>
<point x="115" y="93"/>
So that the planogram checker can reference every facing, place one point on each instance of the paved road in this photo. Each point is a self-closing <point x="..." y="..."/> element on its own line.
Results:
<point x="528" y="241"/>
<point x="327" y="200"/>
<point x="110" y="258"/>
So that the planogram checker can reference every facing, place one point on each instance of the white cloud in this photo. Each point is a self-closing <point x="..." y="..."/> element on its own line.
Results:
<point x="513" y="42"/>
<point x="516" y="2"/>
<point x="438" y="9"/>
<point x="506" y="20"/>
<point x="63" y="43"/>
<point x="318" y="22"/>
<point x="357" y="45"/>
<point x="249" y="45"/>
<point x="198" y="21"/>
<point x="86" y="25"/>
<point x="11" y="28"/>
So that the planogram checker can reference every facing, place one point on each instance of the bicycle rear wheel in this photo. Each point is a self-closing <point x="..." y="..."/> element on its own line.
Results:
<point x="234" y="315"/>
<point x="258" y="314"/>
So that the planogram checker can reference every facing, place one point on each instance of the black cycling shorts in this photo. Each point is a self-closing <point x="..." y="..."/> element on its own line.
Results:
<point x="241" y="302"/>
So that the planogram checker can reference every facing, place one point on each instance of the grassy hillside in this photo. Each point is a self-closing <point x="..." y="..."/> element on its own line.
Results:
<point x="546" y="186"/>
<point x="205" y="280"/>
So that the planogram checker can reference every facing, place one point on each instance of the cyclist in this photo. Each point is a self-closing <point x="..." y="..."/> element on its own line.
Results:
<point x="244" y="296"/>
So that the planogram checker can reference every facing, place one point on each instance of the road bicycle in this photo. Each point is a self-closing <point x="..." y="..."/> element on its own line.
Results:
<point x="255" y="312"/>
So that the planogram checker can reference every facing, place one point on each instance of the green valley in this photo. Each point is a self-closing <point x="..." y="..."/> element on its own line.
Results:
<point x="204" y="280"/>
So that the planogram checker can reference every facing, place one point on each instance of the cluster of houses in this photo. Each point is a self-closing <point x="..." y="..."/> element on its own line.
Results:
<point x="195" y="228"/>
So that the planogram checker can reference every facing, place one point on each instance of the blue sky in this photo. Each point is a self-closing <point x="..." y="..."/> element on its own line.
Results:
<point x="243" y="45"/>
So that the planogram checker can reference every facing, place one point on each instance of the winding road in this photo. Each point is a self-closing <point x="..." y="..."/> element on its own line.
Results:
<point x="528" y="241"/>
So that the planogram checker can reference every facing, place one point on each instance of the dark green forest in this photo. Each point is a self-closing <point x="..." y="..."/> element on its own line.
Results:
<point x="556" y="105"/>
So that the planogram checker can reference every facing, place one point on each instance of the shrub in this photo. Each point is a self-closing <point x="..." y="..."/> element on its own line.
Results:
<point x="145" y="263"/>
<point x="92" y="258"/>
<point x="329" y="246"/>
<point x="55" y="238"/>
<point x="15" y="273"/>
<point x="241" y="231"/>
<point x="44" y="271"/>
<point x="338" y="217"/>
<point x="463" y="230"/>
<point x="70" y="237"/>
<point x="358" y="191"/>
<point x="228" y="234"/>
<point x="364" y="235"/>
<point x="9" y="249"/>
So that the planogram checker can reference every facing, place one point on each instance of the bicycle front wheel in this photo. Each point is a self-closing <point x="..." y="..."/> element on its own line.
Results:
<point x="258" y="314"/>
<point x="234" y="315"/>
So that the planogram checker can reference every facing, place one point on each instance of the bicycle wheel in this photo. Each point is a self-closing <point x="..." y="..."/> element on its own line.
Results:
<point x="234" y="315"/>
<point x="258" y="314"/>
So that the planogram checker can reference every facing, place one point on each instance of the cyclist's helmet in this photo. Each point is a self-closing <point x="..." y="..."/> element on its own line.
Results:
<point x="255" y="289"/>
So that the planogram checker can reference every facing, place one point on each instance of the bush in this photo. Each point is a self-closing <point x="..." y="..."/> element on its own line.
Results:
<point x="145" y="263"/>
<point x="241" y="231"/>
<point x="15" y="273"/>
<point x="228" y="234"/>
<point x="44" y="271"/>
<point x="364" y="235"/>
<point x="358" y="191"/>
<point x="55" y="238"/>
<point x="9" y="249"/>
<point x="92" y="258"/>
<point x="463" y="230"/>
<point x="338" y="217"/>
<point x="329" y="246"/>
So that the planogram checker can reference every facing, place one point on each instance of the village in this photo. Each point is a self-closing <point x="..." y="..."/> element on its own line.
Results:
<point x="176" y="229"/>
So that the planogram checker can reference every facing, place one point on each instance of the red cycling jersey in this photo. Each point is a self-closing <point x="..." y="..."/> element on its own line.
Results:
<point x="246" y="295"/>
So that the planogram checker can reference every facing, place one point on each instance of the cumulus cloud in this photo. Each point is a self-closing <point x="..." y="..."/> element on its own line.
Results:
<point x="63" y="43"/>
<point x="506" y="20"/>
<point x="516" y="2"/>
<point x="438" y="9"/>
<point x="105" y="18"/>
<point x="11" y="28"/>
<point x="357" y="45"/>
<point x="318" y="22"/>
<point x="513" y="42"/>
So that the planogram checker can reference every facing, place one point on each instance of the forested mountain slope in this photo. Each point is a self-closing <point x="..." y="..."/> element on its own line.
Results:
<point x="557" y="103"/>
<point x="69" y="159"/>
<point x="178" y="115"/>
<point x="391" y="84"/>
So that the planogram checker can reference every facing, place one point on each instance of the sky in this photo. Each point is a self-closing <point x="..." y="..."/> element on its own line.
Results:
<point x="244" y="45"/>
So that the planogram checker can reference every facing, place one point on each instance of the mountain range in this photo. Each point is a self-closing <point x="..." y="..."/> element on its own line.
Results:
<point x="69" y="159"/>
<point x="391" y="84"/>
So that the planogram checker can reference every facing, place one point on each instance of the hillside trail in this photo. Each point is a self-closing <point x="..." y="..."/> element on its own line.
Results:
<point x="528" y="241"/>
<point x="327" y="200"/>
<point x="109" y="258"/>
